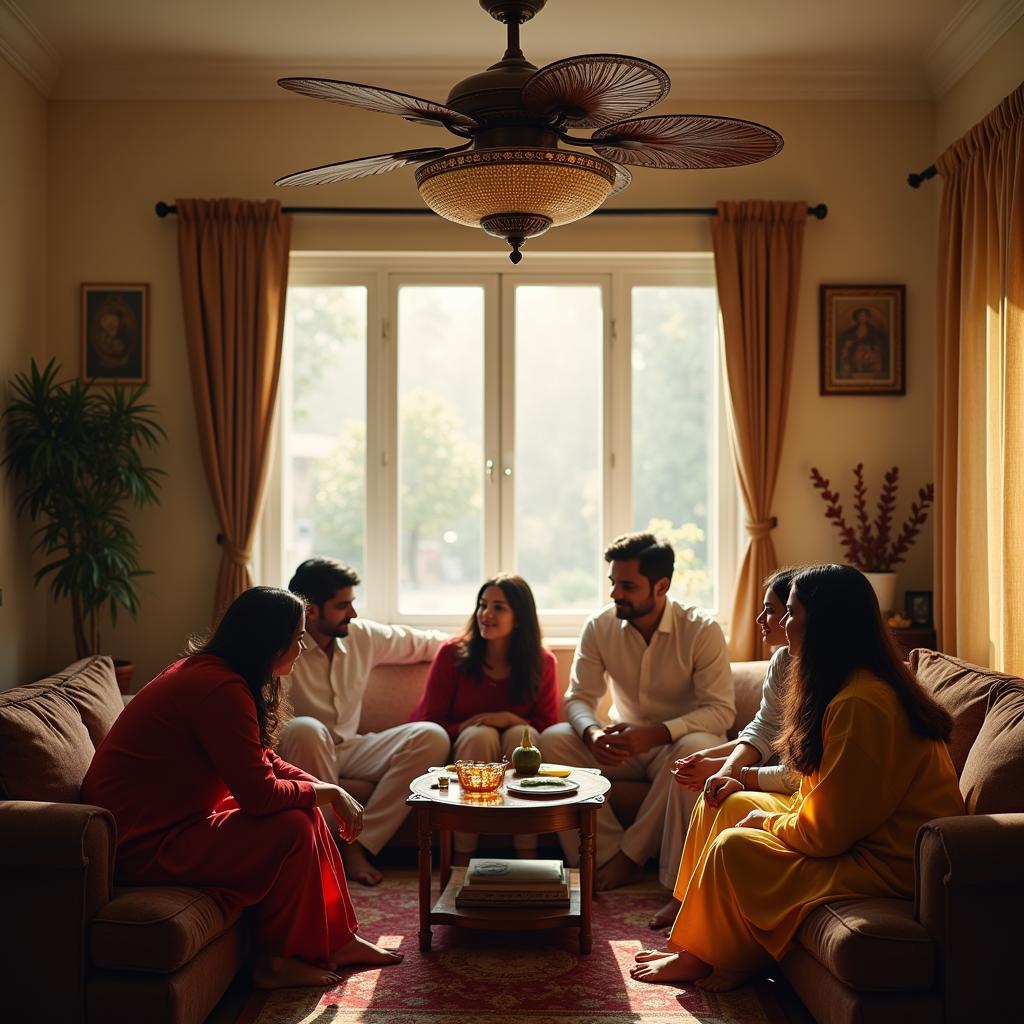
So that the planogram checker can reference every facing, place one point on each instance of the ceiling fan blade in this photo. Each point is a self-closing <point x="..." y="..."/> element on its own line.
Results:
<point x="623" y="178"/>
<point x="386" y="101"/>
<point x="596" y="89"/>
<point x="686" y="141"/>
<point x="364" y="166"/>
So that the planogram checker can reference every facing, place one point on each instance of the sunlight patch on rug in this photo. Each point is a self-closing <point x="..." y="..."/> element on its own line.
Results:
<point x="518" y="977"/>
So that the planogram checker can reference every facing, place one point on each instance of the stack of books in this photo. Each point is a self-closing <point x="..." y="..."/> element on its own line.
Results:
<point x="496" y="882"/>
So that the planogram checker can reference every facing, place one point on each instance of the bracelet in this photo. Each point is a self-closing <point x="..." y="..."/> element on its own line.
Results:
<point x="743" y="776"/>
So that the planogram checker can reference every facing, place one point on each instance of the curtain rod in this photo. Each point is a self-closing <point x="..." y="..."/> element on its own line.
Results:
<point x="820" y="211"/>
<point x="917" y="180"/>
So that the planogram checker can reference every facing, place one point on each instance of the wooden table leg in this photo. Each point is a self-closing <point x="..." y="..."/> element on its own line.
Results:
<point x="445" y="841"/>
<point x="424" y="835"/>
<point x="588" y="817"/>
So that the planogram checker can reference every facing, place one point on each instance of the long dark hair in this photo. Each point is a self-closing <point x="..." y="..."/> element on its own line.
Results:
<point x="254" y="631"/>
<point x="843" y="632"/>
<point x="525" y="653"/>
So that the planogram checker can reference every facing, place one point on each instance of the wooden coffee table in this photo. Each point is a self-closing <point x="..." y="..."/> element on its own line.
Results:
<point x="504" y="813"/>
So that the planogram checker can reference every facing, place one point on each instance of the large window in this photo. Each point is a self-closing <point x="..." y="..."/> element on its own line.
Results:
<point x="443" y="419"/>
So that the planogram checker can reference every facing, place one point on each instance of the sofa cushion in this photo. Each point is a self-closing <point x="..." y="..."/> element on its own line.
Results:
<point x="155" y="928"/>
<point x="90" y="684"/>
<point x="963" y="690"/>
<point x="45" y="749"/>
<point x="747" y="684"/>
<point x="871" y="944"/>
<point x="991" y="779"/>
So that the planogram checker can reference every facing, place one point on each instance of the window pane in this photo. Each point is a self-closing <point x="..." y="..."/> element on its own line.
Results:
<point x="673" y="356"/>
<point x="325" y="472"/>
<point x="559" y="343"/>
<point x="440" y="447"/>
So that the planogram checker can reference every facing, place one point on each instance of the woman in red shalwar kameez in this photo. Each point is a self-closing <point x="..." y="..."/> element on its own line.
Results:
<point x="201" y="799"/>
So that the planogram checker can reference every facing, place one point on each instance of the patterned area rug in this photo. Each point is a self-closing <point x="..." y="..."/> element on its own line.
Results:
<point x="510" y="978"/>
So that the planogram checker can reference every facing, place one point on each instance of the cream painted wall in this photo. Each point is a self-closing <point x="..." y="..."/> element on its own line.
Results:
<point x="23" y="322"/>
<point x="970" y="99"/>
<point x="111" y="161"/>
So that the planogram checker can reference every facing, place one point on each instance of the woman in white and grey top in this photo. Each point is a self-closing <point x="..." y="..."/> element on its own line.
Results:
<point x="742" y="763"/>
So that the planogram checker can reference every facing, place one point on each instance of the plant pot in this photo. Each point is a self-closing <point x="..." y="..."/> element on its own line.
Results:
<point x="884" y="586"/>
<point x="123" y="673"/>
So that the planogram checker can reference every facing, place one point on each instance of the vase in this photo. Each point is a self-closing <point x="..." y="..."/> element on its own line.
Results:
<point x="884" y="586"/>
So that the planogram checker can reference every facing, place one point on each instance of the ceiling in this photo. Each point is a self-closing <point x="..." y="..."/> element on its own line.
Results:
<point x="234" y="49"/>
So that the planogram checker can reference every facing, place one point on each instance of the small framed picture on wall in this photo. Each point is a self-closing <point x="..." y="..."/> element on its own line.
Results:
<point x="862" y="339"/>
<point x="918" y="607"/>
<point x="114" y="333"/>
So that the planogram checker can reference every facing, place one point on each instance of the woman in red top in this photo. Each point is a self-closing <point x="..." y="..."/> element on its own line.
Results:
<point x="201" y="799"/>
<point x="486" y="686"/>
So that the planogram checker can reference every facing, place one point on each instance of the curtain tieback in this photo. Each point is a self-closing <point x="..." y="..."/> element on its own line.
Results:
<point x="240" y="556"/>
<point x="761" y="527"/>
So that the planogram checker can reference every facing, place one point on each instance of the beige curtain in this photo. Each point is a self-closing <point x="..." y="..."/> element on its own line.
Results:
<point x="979" y="424"/>
<point x="758" y="246"/>
<point x="233" y="256"/>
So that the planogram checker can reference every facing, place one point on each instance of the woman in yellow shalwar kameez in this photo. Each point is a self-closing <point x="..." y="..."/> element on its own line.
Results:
<point x="871" y="746"/>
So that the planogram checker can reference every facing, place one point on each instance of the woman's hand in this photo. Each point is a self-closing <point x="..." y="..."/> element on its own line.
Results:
<point x="695" y="769"/>
<point x="495" y="719"/>
<point x="347" y="809"/>
<point x="718" y="787"/>
<point x="754" y="819"/>
<point x="349" y="813"/>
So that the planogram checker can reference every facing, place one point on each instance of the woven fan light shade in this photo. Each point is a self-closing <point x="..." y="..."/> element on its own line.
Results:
<point x="515" y="192"/>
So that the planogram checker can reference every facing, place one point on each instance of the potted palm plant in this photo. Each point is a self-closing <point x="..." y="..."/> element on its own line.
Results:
<point x="74" y="452"/>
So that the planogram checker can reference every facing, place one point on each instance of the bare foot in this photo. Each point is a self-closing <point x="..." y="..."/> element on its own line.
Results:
<point x="619" y="871"/>
<point x="676" y="967"/>
<point x="359" y="951"/>
<point x="724" y="981"/>
<point x="288" y="972"/>
<point x="358" y="867"/>
<point x="664" y="917"/>
<point x="645" y="956"/>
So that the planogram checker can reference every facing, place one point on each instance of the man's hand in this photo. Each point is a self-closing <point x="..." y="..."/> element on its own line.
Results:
<point x="495" y="719"/>
<point x="622" y="740"/>
<point x="754" y="819"/>
<point x="607" y="747"/>
<point x="695" y="769"/>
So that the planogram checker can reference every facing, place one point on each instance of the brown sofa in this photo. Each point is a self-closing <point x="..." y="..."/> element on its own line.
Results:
<point x="74" y="947"/>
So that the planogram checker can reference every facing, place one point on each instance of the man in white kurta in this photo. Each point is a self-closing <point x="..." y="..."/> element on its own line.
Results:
<point x="672" y="694"/>
<point x="326" y="690"/>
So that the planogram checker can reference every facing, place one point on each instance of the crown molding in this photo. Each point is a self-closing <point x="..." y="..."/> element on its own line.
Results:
<point x="26" y="50"/>
<point x="968" y="37"/>
<point x="252" y="80"/>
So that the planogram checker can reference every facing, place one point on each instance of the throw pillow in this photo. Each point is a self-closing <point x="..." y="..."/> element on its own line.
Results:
<point x="991" y="779"/>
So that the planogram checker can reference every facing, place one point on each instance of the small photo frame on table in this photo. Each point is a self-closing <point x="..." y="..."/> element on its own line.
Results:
<point x="863" y="348"/>
<point x="918" y="607"/>
<point x="114" y="333"/>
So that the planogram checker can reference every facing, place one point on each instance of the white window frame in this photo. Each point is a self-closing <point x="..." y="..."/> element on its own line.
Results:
<point x="382" y="274"/>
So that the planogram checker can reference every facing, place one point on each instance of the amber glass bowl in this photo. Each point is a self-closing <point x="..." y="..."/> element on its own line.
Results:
<point x="480" y="776"/>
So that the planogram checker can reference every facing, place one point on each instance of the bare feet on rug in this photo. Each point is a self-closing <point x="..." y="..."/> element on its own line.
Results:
<point x="724" y="981"/>
<point x="674" y="967"/>
<point x="645" y="956"/>
<point x="619" y="871"/>
<point x="359" y="951"/>
<point x="665" y="917"/>
<point x="288" y="972"/>
<point x="358" y="866"/>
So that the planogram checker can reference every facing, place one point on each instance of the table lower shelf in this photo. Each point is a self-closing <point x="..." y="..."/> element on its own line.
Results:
<point x="506" y="918"/>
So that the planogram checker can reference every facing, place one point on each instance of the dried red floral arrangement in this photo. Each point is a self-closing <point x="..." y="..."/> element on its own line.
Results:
<point x="870" y="546"/>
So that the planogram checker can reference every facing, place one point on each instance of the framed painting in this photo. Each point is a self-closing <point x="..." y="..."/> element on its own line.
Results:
<point x="114" y="333"/>
<point x="918" y="604"/>
<point x="863" y="350"/>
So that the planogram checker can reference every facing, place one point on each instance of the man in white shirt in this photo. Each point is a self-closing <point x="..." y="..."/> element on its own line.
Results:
<point x="672" y="694"/>
<point x="326" y="692"/>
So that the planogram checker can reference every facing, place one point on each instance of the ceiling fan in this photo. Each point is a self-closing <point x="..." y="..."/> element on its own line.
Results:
<point x="520" y="172"/>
